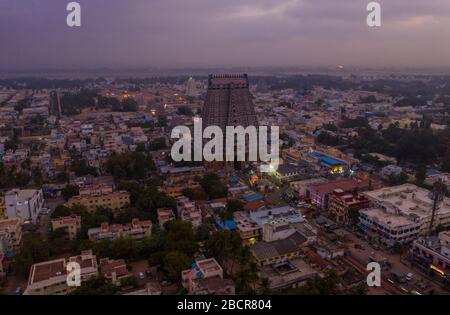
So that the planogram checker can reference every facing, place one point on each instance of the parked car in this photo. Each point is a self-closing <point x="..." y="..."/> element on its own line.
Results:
<point x="409" y="276"/>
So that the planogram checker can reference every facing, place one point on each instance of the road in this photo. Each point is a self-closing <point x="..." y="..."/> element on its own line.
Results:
<point x="364" y="251"/>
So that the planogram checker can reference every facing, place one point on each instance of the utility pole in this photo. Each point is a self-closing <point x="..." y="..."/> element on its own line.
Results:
<point x="438" y="191"/>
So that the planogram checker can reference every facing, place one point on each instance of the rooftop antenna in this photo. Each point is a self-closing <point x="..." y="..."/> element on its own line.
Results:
<point x="438" y="192"/>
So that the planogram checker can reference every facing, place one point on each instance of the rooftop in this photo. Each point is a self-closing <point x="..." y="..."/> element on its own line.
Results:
<point x="266" y="250"/>
<point x="387" y="219"/>
<point x="22" y="194"/>
<point x="408" y="199"/>
<point x="345" y="185"/>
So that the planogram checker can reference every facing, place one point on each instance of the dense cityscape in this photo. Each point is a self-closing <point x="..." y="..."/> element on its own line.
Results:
<point x="205" y="156"/>
<point x="87" y="176"/>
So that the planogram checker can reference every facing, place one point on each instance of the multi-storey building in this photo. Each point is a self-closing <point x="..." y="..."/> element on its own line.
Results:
<point x="164" y="215"/>
<point x="136" y="229"/>
<point x="72" y="224"/>
<point x="115" y="201"/>
<point x="284" y="214"/>
<point x="344" y="207"/>
<point x="387" y="228"/>
<point x="414" y="203"/>
<point x="114" y="270"/>
<point x="206" y="277"/>
<point x="10" y="235"/>
<point x="320" y="193"/>
<point x="176" y="190"/>
<point x="249" y="231"/>
<point x="24" y="204"/>
<point x="188" y="211"/>
<point x="433" y="254"/>
<point x="50" y="277"/>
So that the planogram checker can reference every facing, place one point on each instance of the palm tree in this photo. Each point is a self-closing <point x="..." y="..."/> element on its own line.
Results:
<point x="264" y="286"/>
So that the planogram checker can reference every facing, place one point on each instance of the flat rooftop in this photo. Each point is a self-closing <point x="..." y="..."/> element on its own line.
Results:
<point x="22" y="194"/>
<point x="409" y="200"/>
<point x="387" y="219"/>
<point x="296" y="270"/>
<point x="9" y="223"/>
<point x="47" y="270"/>
<point x="208" y="265"/>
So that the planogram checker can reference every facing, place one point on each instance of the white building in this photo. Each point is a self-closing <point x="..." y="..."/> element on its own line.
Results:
<point x="411" y="202"/>
<point x="387" y="228"/>
<point x="50" y="277"/>
<point x="433" y="254"/>
<point x="24" y="204"/>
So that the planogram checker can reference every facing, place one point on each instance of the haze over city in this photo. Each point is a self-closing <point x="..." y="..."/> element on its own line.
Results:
<point x="204" y="33"/>
<point x="225" y="155"/>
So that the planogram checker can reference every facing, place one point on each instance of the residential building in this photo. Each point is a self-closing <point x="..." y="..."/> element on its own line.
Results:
<point x="344" y="207"/>
<point x="320" y="193"/>
<point x="412" y="202"/>
<point x="387" y="228"/>
<point x="164" y="215"/>
<point x="115" y="201"/>
<point x="301" y="187"/>
<point x="24" y="204"/>
<point x="288" y="171"/>
<point x="391" y="170"/>
<point x="10" y="235"/>
<point x="50" y="277"/>
<point x="291" y="273"/>
<point x="205" y="277"/>
<point x="136" y="229"/>
<point x="433" y="254"/>
<point x="248" y="229"/>
<point x="176" y="190"/>
<point x="71" y="224"/>
<point x="276" y="215"/>
<point x="188" y="211"/>
<point x="114" y="270"/>
<point x="280" y="251"/>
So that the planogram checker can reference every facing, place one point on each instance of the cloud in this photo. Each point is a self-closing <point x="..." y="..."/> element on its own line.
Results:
<point x="117" y="33"/>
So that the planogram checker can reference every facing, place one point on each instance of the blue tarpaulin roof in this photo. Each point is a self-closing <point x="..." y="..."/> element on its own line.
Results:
<point x="229" y="225"/>
<point x="330" y="161"/>
<point x="253" y="197"/>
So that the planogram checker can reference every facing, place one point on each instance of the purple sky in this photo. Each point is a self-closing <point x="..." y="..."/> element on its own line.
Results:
<point x="179" y="33"/>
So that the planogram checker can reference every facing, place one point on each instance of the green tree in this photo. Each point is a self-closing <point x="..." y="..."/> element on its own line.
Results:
<point x="69" y="191"/>
<point x="96" y="286"/>
<point x="174" y="263"/>
<point x="181" y="237"/>
<point x="213" y="186"/>
<point x="34" y="249"/>
<point x="421" y="174"/>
